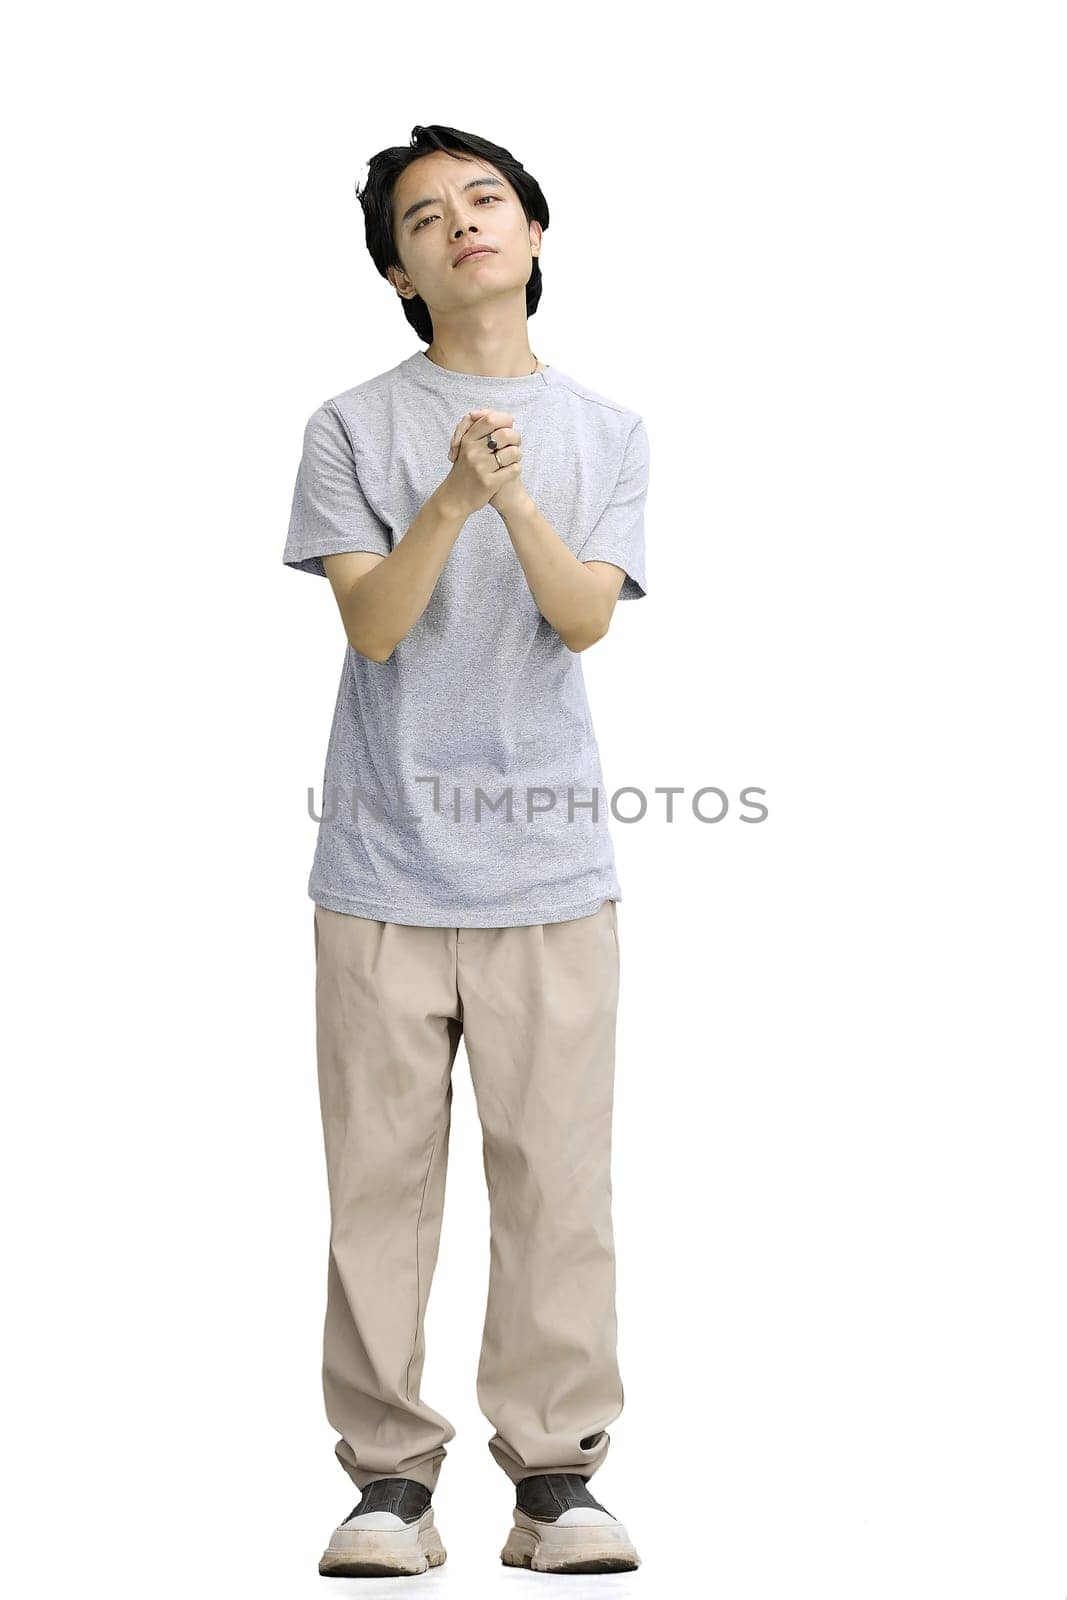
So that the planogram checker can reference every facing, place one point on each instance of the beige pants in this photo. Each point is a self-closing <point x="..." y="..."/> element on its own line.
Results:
<point x="536" y="1007"/>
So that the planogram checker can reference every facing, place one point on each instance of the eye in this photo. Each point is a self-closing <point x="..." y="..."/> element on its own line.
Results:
<point x="480" y="201"/>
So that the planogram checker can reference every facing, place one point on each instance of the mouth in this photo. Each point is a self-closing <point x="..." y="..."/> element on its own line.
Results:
<point x="472" y="255"/>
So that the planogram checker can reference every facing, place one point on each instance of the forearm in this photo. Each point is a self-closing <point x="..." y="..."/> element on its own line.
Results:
<point x="567" y="594"/>
<point x="386" y="602"/>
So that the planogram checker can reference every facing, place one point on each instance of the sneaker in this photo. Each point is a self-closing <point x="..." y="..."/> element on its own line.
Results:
<point x="559" y="1527"/>
<point x="390" y="1532"/>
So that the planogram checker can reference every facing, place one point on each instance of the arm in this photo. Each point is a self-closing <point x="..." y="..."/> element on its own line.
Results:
<point x="576" y="597"/>
<point x="382" y="597"/>
<point x="577" y="593"/>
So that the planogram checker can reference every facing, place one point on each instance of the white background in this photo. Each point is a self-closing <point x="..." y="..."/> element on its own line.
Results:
<point x="821" y="249"/>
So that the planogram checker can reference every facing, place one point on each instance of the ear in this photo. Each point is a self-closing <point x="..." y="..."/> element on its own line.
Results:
<point x="535" y="238"/>
<point x="400" y="282"/>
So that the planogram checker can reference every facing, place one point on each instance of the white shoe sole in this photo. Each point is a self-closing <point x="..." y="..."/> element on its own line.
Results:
<point x="383" y="1552"/>
<point x="592" y="1547"/>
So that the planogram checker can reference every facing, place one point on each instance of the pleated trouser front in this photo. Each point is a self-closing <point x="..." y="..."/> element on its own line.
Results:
<point x="536" y="1007"/>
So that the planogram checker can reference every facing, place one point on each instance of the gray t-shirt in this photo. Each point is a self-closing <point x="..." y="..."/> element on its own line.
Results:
<point x="461" y="773"/>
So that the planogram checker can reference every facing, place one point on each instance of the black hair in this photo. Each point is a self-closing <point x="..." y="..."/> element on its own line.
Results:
<point x="375" y="195"/>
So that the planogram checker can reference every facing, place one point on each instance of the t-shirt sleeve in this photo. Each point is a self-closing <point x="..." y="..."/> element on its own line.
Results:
<point x="619" y="536"/>
<point x="330" y="512"/>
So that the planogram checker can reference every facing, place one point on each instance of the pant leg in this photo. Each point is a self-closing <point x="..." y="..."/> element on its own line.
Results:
<point x="387" y="1033"/>
<point x="539" y="1011"/>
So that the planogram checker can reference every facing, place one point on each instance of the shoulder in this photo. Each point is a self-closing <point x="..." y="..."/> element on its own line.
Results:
<point x="365" y="396"/>
<point x="359" y="413"/>
<point x="593" y="402"/>
<point x="605" y="428"/>
<point x="597" y="415"/>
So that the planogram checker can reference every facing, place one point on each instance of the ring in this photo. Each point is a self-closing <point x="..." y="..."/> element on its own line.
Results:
<point x="491" y="442"/>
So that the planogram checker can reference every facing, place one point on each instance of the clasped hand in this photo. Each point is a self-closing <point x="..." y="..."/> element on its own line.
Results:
<point x="479" y="475"/>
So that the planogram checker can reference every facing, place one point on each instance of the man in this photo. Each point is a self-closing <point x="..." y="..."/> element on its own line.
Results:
<point x="478" y="513"/>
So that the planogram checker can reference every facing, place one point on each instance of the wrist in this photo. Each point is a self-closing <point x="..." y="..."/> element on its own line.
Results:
<point x="448" y="505"/>
<point x="516" y="503"/>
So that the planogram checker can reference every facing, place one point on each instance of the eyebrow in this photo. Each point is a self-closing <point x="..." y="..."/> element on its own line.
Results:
<point x="473" y="184"/>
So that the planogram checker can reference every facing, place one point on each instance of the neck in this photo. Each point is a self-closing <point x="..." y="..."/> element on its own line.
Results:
<point x="484" y="354"/>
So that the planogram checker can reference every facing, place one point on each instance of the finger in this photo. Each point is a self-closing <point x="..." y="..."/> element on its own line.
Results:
<point x="460" y="429"/>
<point x="504" y="436"/>
<point x="489" y="422"/>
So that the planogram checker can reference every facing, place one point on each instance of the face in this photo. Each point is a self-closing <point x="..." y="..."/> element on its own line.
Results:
<point x="442" y="207"/>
